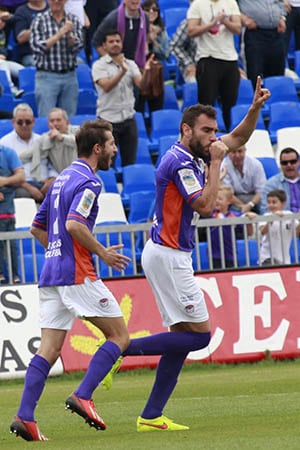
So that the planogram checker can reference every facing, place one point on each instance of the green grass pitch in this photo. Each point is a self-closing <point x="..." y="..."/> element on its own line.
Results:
<point x="230" y="407"/>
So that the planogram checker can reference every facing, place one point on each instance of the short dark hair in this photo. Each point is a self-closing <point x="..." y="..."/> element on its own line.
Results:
<point x="278" y="193"/>
<point x="191" y="113"/>
<point x="287" y="150"/>
<point x="111" y="32"/>
<point x="90" y="133"/>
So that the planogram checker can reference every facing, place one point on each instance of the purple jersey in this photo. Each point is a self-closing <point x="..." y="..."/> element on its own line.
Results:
<point x="180" y="179"/>
<point x="72" y="196"/>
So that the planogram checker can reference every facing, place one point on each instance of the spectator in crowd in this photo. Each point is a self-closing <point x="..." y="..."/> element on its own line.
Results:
<point x="247" y="178"/>
<point x="292" y="8"/>
<point x="96" y="11"/>
<point x="23" y="18"/>
<point x="184" y="49"/>
<point x="76" y="7"/>
<point x="114" y="76"/>
<point x="55" y="39"/>
<point x="57" y="146"/>
<point x="10" y="6"/>
<point x="287" y="180"/>
<point x="264" y="43"/>
<point x="11" y="176"/>
<point x="213" y="25"/>
<point x="158" y="46"/>
<point x="11" y="68"/>
<point x="277" y="236"/>
<point x="222" y="211"/>
<point x="22" y="138"/>
<point x="132" y="24"/>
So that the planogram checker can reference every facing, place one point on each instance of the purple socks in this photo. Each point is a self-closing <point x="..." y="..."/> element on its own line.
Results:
<point x="35" y="379"/>
<point x="99" y="366"/>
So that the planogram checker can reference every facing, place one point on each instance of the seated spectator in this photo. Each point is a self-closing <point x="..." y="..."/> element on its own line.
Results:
<point x="287" y="180"/>
<point x="158" y="46"/>
<point x="57" y="145"/>
<point x="184" y="49"/>
<point x="222" y="211"/>
<point x="23" y="17"/>
<point x="247" y="178"/>
<point x="11" y="176"/>
<point x="11" y="68"/>
<point x="20" y="139"/>
<point x="276" y="237"/>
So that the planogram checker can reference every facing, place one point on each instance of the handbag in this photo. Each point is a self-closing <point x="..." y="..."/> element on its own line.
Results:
<point x="152" y="84"/>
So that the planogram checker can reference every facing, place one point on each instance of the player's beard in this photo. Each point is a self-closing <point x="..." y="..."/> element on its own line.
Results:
<point x="197" y="149"/>
<point x="104" y="163"/>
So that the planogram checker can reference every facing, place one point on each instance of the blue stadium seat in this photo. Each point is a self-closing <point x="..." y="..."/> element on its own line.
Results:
<point x="139" y="205"/>
<point x="238" y="112"/>
<point x="172" y="18"/>
<point x="4" y="83"/>
<point x="87" y="101"/>
<point x="78" y="119"/>
<point x="27" y="78"/>
<point x="245" y="94"/>
<point x="142" y="131"/>
<point x="165" y="121"/>
<point x="170" y="99"/>
<point x="113" y="238"/>
<point x="270" y="166"/>
<point x="143" y="155"/>
<point x="282" y="115"/>
<point x="6" y="126"/>
<point x="41" y="125"/>
<point x="203" y="253"/>
<point x="29" y="98"/>
<point x="137" y="177"/>
<point x="109" y="179"/>
<point x="282" y="88"/>
<point x="189" y="94"/>
<point x="165" y="4"/>
<point x="84" y="76"/>
<point x="165" y="143"/>
<point x="241" y="252"/>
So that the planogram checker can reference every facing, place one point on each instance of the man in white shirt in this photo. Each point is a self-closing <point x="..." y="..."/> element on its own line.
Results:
<point x="213" y="25"/>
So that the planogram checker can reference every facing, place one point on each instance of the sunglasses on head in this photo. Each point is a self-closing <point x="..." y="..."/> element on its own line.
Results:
<point x="22" y="122"/>
<point x="289" y="161"/>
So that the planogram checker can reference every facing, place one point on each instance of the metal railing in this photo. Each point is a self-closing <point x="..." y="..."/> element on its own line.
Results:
<point x="246" y="251"/>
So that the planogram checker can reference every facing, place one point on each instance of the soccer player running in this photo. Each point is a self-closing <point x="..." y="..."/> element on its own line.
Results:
<point x="182" y="194"/>
<point x="68" y="285"/>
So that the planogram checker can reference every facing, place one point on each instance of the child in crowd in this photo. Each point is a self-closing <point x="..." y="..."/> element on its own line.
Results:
<point x="223" y="202"/>
<point x="277" y="235"/>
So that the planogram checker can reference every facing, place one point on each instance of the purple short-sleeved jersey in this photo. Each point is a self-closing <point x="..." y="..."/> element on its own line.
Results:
<point x="180" y="179"/>
<point x="72" y="196"/>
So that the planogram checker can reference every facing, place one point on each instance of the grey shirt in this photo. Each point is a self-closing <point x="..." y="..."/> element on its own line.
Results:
<point x="266" y="13"/>
<point x="116" y="105"/>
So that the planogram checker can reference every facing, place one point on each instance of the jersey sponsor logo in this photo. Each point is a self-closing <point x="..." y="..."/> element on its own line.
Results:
<point x="189" y="180"/>
<point x="86" y="202"/>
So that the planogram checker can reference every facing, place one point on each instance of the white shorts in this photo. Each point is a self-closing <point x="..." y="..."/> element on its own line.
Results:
<point x="60" y="305"/>
<point x="171" y="276"/>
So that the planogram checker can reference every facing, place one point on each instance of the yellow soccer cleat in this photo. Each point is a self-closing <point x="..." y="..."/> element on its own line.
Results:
<point x="161" y="423"/>
<point x="108" y="379"/>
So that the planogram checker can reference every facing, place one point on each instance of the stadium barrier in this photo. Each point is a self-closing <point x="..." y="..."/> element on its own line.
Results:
<point x="253" y="315"/>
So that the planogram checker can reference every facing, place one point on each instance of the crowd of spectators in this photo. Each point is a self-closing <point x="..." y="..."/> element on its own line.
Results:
<point x="120" y="40"/>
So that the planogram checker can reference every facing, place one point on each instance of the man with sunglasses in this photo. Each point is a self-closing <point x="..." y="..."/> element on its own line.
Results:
<point x="288" y="180"/>
<point x="22" y="138"/>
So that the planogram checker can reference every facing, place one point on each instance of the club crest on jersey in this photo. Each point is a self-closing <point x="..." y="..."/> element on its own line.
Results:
<point x="189" y="180"/>
<point x="86" y="202"/>
<point x="104" y="302"/>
